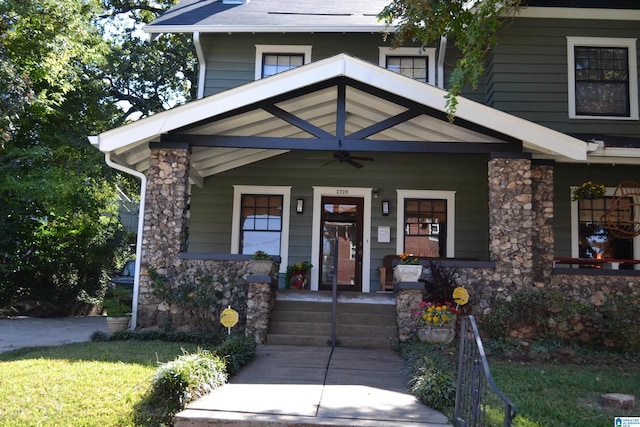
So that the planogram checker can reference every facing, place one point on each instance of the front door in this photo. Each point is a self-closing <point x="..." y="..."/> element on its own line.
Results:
<point x="341" y="221"/>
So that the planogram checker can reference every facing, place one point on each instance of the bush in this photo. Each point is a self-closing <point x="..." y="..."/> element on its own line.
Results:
<point x="432" y="377"/>
<point x="238" y="350"/>
<point x="178" y="382"/>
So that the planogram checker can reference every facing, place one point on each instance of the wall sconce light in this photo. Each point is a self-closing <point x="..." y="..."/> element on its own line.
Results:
<point x="375" y="193"/>
<point x="385" y="208"/>
<point x="299" y="206"/>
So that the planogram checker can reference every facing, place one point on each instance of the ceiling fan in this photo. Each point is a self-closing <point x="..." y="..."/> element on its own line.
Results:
<point x="346" y="157"/>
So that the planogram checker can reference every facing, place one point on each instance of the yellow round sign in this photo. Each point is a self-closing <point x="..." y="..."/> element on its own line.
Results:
<point x="229" y="317"/>
<point x="460" y="296"/>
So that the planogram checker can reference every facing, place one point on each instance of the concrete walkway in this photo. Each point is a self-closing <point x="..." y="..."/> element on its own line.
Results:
<point x="310" y="386"/>
<point x="21" y="332"/>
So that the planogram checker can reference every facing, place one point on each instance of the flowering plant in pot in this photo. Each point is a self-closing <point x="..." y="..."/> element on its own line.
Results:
<point x="408" y="259"/>
<point x="408" y="268"/>
<point x="589" y="190"/>
<point x="297" y="275"/>
<point x="261" y="263"/>
<point x="435" y="322"/>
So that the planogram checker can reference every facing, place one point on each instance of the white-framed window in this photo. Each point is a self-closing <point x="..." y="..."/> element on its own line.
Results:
<point x="261" y="221"/>
<point x="603" y="78"/>
<point x="426" y="223"/>
<point x="414" y="62"/>
<point x="589" y="239"/>
<point x="274" y="59"/>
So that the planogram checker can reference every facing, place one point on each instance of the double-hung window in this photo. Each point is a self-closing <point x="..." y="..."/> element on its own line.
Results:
<point x="261" y="220"/>
<point x="413" y="62"/>
<point x="274" y="59"/>
<point x="426" y="223"/>
<point x="602" y="78"/>
<point x="592" y="239"/>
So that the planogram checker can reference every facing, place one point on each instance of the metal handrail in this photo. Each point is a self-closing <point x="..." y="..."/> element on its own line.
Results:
<point x="473" y="378"/>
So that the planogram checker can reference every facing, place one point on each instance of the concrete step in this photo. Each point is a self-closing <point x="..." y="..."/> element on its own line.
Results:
<point x="304" y="318"/>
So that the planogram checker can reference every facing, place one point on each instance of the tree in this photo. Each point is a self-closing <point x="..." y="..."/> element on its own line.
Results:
<point x="62" y="77"/>
<point x="472" y="26"/>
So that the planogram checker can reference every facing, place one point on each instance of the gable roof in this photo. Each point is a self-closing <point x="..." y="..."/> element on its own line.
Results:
<point x="297" y="110"/>
<point x="264" y="16"/>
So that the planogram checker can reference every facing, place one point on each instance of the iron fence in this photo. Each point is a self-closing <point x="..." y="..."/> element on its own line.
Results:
<point x="474" y="381"/>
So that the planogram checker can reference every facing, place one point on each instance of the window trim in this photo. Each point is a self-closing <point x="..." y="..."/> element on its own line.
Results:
<point x="575" y="247"/>
<point x="429" y="52"/>
<point x="449" y="196"/>
<point x="261" y="49"/>
<point x="285" y="192"/>
<point x="630" y="45"/>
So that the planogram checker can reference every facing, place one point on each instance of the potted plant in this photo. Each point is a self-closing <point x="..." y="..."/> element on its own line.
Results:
<point x="297" y="275"/>
<point x="117" y="305"/>
<point x="435" y="322"/>
<point x="408" y="269"/>
<point x="589" y="190"/>
<point x="261" y="264"/>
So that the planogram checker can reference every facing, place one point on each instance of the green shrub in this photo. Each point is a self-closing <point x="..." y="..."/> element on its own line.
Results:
<point x="238" y="350"/>
<point x="177" y="383"/>
<point x="432" y="378"/>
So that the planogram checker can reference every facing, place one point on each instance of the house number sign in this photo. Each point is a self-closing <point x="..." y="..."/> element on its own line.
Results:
<point x="342" y="192"/>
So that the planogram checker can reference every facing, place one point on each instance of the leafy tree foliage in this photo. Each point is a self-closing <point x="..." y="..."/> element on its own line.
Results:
<point x="473" y="27"/>
<point x="65" y="66"/>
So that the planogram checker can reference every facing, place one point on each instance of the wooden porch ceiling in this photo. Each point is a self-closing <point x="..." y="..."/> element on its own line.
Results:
<point x="338" y="114"/>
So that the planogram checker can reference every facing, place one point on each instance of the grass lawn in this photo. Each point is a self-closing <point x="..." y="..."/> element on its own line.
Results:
<point x="89" y="384"/>
<point x="565" y="395"/>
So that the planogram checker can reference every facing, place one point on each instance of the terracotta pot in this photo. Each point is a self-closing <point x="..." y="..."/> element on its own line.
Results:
<point x="407" y="273"/>
<point x="436" y="334"/>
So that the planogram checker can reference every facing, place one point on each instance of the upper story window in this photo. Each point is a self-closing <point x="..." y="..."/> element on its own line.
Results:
<point x="602" y="78"/>
<point x="274" y="59"/>
<point x="419" y="64"/>
<point x="426" y="220"/>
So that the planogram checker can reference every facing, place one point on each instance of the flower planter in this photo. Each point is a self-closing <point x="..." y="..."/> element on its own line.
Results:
<point x="407" y="273"/>
<point x="260" y="267"/>
<point x="115" y="324"/>
<point x="436" y="334"/>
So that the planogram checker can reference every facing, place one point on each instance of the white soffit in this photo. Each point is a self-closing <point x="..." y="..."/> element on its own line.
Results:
<point x="535" y="137"/>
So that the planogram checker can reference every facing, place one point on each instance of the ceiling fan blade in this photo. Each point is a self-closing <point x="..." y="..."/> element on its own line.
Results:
<point x="368" y="159"/>
<point x="329" y="162"/>
<point x="353" y="162"/>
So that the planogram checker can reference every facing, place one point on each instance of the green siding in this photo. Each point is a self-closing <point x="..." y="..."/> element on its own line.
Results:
<point x="210" y="220"/>
<point x="527" y="72"/>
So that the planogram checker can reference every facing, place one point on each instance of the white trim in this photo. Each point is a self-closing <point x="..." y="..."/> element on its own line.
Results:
<point x="575" y="248"/>
<point x="255" y="29"/>
<point x="359" y="192"/>
<point x="429" y="52"/>
<point x="449" y="196"/>
<point x="628" y="43"/>
<point x="283" y="49"/>
<point x="285" y="192"/>
<point x="575" y="13"/>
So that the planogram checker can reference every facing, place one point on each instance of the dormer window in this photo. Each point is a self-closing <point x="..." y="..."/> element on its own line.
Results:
<point x="274" y="59"/>
<point x="602" y="78"/>
<point x="413" y="62"/>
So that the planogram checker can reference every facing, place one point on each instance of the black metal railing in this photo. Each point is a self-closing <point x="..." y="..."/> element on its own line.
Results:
<point x="474" y="381"/>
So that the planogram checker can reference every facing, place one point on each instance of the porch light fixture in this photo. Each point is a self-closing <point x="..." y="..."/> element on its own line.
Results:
<point x="385" y="208"/>
<point x="299" y="206"/>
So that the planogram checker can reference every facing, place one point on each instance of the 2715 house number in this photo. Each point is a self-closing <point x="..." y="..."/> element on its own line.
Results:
<point x="342" y="192"/>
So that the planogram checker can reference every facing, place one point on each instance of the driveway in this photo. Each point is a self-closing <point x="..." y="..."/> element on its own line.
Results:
<point x="34" y="332"/>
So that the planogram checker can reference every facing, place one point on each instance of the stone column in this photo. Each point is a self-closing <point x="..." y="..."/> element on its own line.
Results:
<point x="260" y="300"/>
<point x="511" y="222"/>
<point x="164" y="224"/>
<point x="543" y="237"/>
<point x="407" y="302"/>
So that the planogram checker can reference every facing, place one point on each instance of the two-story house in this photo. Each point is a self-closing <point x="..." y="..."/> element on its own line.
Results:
<point x="311" y="129"/>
